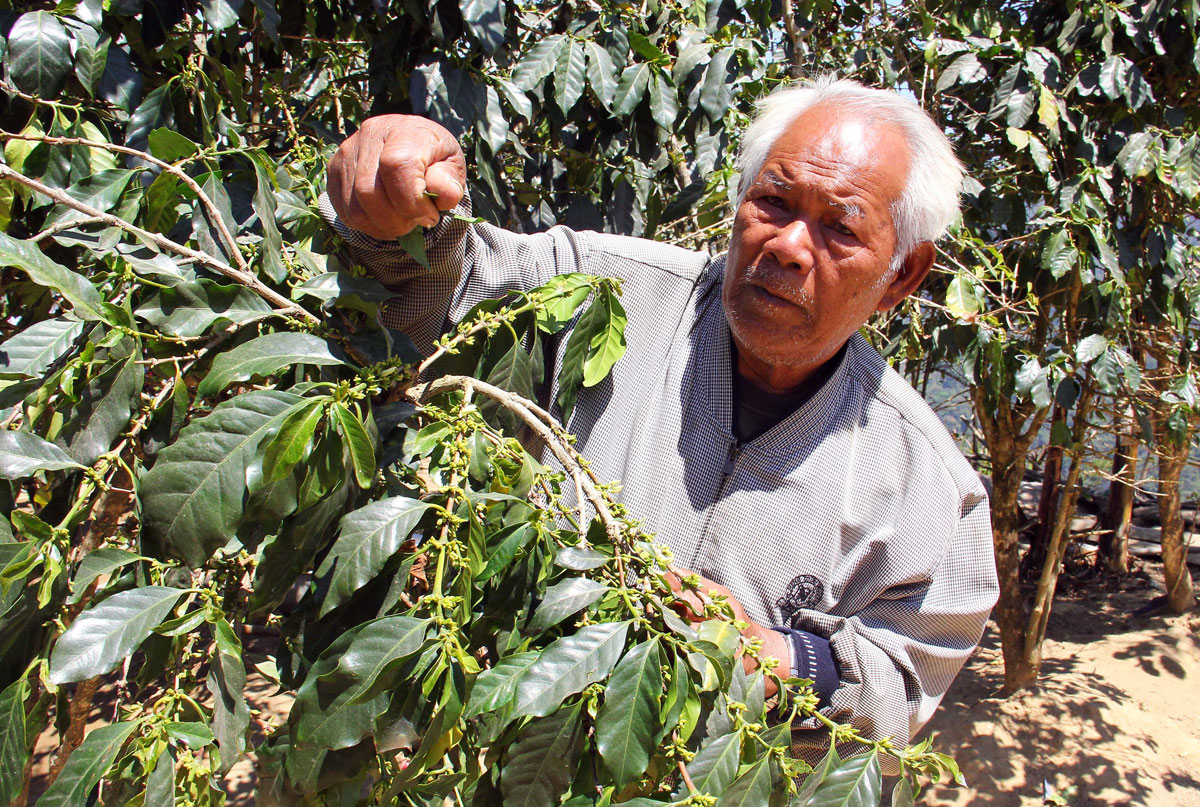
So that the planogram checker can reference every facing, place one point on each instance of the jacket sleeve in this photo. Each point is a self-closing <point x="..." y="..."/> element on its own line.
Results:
<point x="897" y="656"/>
<point x="468" y="263"/>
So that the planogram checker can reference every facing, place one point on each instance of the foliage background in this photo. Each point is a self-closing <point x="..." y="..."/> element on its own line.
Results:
<point x="1065" y="304"/>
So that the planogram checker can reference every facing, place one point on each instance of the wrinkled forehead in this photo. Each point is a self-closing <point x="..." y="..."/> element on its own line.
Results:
<point x="846" y="137"/>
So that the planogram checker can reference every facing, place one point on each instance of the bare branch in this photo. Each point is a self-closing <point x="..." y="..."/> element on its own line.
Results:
<point x="284" y="306"/>
<point x="210" y="207"/>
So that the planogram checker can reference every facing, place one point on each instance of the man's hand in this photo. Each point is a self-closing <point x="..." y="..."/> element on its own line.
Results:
<point x="395" y="173"/>
<point x="774" y="643"/>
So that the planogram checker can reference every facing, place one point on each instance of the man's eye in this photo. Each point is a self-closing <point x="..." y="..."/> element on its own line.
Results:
<point x="837" y="226"/>
<point x="774" y="201"/>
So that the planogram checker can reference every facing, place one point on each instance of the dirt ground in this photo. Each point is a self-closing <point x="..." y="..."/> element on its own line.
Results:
<point x="1115" y="719"/>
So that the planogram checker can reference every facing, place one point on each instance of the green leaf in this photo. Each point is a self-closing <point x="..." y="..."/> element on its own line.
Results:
<point x="563" y="599"/>
<point x="266" y="355"/>
<point x="1059" y="255"/>
<point x="514" y="372"/>
<point x="715" y="765"/>
<point x="517" y="99"/>
<point x="627" y="720"/>
<point x="856" y="782"/>
<point x="495" y="688"/>
<point x="270" y="251"/>
<point x="23" y="454"/>
<point x="540" y="764"/>
<point x="485" y="21"/>
<point x="646" y="49"/>
<point x="568" y="665"/>
<point x="752" y="788"/>
<point x="375" y="648"/>
<point x="292" y="442"/>
<point x="160" y="782"/>
<point x="231" y="713"/>
<point x="170" y="146"/>
<point x="608" y="346"/>
<point x="31" y="352"/>
<point x="86" y="765"/>
<point x="811" y="782"/>
<point x="14" y="750"/>
<point x="91" y="57"/>
<point x="902" y="794"/>
<point x="579" y="559"/>
<point x="193" y="497"/>
<point x="962" y="297"/>
<point x="538" y="62"/>
<point x="323" y="713"/>
<point x="716" y="94"/>
<point x="1090" y="348"/>
<point x="367" y="538"/>
<point x="39" y="54"/>
<point x="601" y="74"/>
<point x="103" y="411"/>
<point x="664" y="106"/>
<point x="106" y="634"/>
<point x="591" y="329"/>
<point x="101" y="560"/>
<point x="192" y="735"/>
<point x="76" y="289"/>
<point x="358" y="443"/>
<point x="1113" y="76"/>
<point x="192" y="308"/>
<point x="631" y="88"/>
<point x="503" y="548"/>
<point x="570" y="75"/>
<point x="102" y="191"/>
<point x="1139" y="157"/>
<point x="413" y="242"/>
<point x="574" y="288"/>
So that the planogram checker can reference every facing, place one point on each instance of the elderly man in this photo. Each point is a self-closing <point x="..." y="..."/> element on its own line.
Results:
<point x="756" y="431"/>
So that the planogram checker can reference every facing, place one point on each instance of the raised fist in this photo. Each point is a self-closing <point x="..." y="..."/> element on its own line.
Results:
<point x="395" y="173"/>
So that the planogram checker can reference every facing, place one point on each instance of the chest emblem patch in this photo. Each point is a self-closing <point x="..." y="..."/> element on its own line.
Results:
<point x="804" y="591"/>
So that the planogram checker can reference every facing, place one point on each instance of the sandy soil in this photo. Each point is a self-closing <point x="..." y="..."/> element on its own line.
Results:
<point x="1115" y="719"/>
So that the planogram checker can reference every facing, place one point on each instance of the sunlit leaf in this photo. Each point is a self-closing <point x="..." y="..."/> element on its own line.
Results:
<point x="105" y="634"/>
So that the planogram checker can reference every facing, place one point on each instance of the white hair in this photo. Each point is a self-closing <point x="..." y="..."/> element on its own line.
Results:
<point x="929" y="203"/>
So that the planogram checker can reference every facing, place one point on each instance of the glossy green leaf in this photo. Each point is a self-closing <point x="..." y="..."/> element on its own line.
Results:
<point x="86" y="765"/>
<point x="503" y="547"/>
<point x="102" y="560"/>
<point x="962" y="297"/>
<point x="375" y="648"/>
<point x="579" y="559"/>
<point x="664" y="106"/>
<point x="39" y="54"/>
<point x="855" y="782"/>
<point x="601" y="73"/>
<point x="715" y="94"/>
<point x="496" y="687"/>
<point x="540" y="764"/>
<point x="627" y="721"/>
<point x="563" y="599"/>
<point x="608" y="346"/>
<point x="1138" y="157"/>
<point x="902" y="794"/>
<point x="30" y="353"/>
<point x="267" y="355"/>
<point x="160" y="782"/>
<point x="366" y="539"/>
<point x="103" y="411"/>
<point x="1090" y="348"/>
<point x="324" y="713"/>
<point x="108" y="632"/>
<point x="358" y="443"/>
<point x="715" y="765"/>
<point x="568" y="665"/>
<point x="1059" y="255"/>
<point x="193" y="497"/>
<point x="192" y="308"/>
<point x="226" y="683"/>
<point x="75" y="288"/>
<point x="91" y="57"/>
<point x="23" y="454"/>
<point x="485" y="21"/>
<point x="191" y="734"/>
<point x="570" y="75"/>
<point x="538" y="62"/>
<point x="170" y="146"/>
<point x="572" y="289"/>
<point x="14" y="750"/>
<point x="292" y="442"/>
<point x="630" y="88"/>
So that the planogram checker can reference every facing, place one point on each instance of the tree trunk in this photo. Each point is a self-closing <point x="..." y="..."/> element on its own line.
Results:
<point x="1113" y="553"/>
<point x="1035" y="558"/>
<point x="1172" y="457"/>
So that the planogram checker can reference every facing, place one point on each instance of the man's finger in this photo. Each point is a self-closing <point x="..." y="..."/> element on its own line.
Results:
<point x="443" y="185"/>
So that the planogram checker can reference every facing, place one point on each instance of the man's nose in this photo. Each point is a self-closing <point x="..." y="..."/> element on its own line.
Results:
<point x="792" y="245"/>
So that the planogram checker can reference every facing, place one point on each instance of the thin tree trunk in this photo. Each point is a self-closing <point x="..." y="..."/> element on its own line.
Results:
<point x="1113" y="553"/>
<point x="1035" y="558"/>
<point x="1172" y="457"/>
<point x="1060" y="537"/>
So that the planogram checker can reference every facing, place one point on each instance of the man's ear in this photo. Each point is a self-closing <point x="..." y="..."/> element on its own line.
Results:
<point x="910" y="275"/>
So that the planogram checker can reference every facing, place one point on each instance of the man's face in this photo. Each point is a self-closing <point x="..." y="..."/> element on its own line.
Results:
<point x="812" y="242"/>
